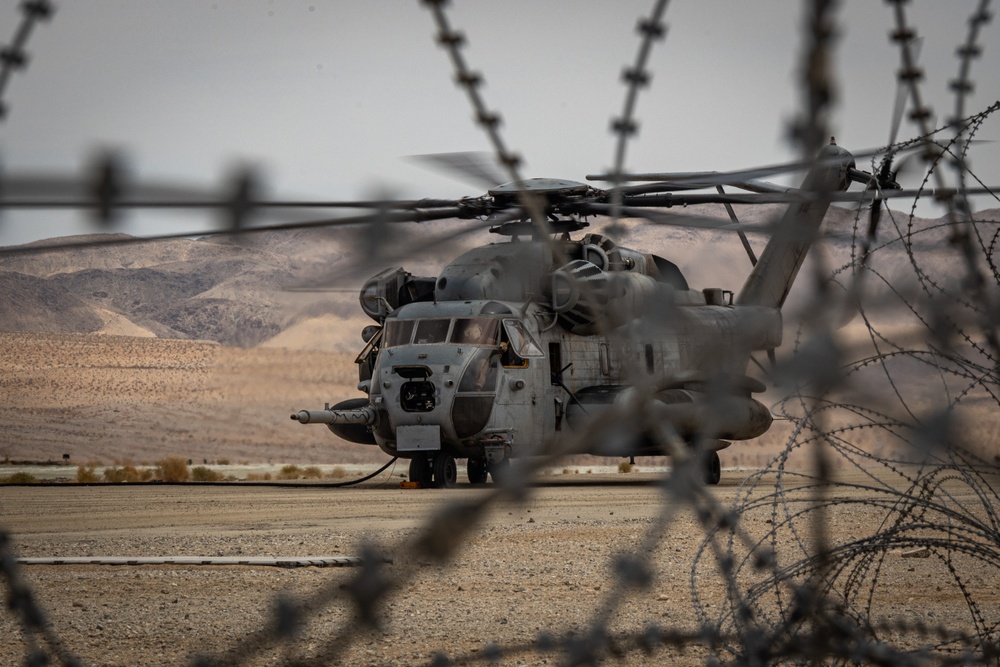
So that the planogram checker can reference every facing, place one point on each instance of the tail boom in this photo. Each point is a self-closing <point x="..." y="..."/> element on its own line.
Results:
<point x="779" y="264"/>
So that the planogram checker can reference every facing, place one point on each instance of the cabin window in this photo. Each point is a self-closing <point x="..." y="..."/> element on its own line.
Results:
<point x="429" y="332"/>
<point x="555" y="363"/>
<point x="650" y="361"/>
<point x="475" y="331"/>
<point x="397" y="332"/>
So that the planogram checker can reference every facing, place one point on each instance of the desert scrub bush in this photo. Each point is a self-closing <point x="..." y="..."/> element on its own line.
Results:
<point x="312" y="472"/>
<point x="338" y="472"/>
<point x="127" y="474"/>
<point x="203" y="474"/>
<point x="624" y="466"/>
<point x="86" y="473"/>
<point x="19" y="478"/>
<point x="222" y="462"/>
<point x="257" y="477"/>
<point x="289" y="472"/>
<point x="173" y="469"/>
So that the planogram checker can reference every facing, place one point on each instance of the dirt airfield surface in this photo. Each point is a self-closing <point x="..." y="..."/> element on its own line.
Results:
<point x="542" y="565"/>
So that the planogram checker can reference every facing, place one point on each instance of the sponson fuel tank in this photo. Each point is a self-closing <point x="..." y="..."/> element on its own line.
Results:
<point x="692" y="414"/>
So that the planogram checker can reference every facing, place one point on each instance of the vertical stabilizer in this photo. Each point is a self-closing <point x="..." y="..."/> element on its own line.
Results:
<point x="772" y="277"/>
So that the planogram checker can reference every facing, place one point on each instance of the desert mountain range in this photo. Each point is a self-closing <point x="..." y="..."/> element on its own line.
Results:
<point x="241" y="291"/>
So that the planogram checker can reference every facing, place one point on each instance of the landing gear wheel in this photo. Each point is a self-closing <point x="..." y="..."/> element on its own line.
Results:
<point x="498" y="471"/>
<point x="445" y="470"/>
<point x="420" y="470"/>
<point x="476" y="469"/>
<point x="712" y="468"/>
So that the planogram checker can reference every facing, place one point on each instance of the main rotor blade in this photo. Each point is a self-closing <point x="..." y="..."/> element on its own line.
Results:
<point x="473" y="167"/>
<point x="424" y="246"/>
<point x="658" y="217"/>
<point x="117" y="240"/>
<point x="710" y="179"/>
<point x="28" y="191"/>
<point x="34" y="194"/>
<point x="793" y="196"/>
<point x="660" y="187"/>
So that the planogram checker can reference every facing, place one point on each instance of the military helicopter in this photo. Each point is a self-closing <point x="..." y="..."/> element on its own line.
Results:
<point x="515" y="342"/>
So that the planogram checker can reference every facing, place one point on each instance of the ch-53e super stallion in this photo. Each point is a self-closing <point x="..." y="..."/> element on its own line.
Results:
<point x="516" y="342"/>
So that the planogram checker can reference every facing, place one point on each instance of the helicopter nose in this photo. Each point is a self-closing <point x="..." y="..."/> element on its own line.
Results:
<point x="456" y="391"/>
<point x="418" y="396"/>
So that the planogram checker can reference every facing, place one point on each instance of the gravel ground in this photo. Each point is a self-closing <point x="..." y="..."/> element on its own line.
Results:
<point x="540" y="566"/>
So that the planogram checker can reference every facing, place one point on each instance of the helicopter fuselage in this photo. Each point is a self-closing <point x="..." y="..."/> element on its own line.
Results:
<point x="494" y="380"/>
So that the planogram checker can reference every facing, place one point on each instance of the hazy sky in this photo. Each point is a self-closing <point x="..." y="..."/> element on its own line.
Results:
<point x="328" y="97"/>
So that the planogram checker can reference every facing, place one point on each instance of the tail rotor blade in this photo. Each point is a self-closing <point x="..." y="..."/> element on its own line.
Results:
<point x="902" y="93"/>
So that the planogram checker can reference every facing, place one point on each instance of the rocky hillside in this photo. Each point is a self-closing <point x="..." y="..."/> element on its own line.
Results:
<point x="242" y="292"/>
<point x="35" y="304"/>
<point x="227" y="291"/>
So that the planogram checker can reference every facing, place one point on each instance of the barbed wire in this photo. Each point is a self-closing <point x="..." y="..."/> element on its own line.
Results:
<point x="815" y="593"/>
<point x="15" y="57"/>
<point x="635" y="78"/>
<point x="784" y="590"/>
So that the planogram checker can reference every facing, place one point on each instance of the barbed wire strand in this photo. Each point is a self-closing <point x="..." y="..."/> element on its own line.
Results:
<point x="15" y="56"/>
<point x="818" y="599"/>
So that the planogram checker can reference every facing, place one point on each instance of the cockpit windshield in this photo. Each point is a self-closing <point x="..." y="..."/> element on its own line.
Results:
<point x="397" y="332"/>
<point x="429" y="332"/>
<point x="474" y="331"/>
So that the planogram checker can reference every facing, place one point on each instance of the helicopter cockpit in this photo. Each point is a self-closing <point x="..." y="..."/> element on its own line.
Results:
<point x="507" y="334"/>
<point x="442" y="365"/>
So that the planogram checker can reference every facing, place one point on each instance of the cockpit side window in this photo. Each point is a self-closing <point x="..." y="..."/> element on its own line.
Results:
<point x="521" y="341"/>
<point x="397" y="332"/>
<point x="475" y="331"/>
<point x="431" y="331"/>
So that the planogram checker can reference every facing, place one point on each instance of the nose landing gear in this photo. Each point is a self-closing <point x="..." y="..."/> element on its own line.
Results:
<point x="445" y="470"/>
<point x="439" y="471"/>
<point x="420" y="470"/>
<point x="711" y="468"/>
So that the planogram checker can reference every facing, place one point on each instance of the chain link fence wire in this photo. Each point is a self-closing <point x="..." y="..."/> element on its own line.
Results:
<point x="770" y="583"/>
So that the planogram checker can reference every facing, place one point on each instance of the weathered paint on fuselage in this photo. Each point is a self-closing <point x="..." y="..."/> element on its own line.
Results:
<point x="527" y="398"/>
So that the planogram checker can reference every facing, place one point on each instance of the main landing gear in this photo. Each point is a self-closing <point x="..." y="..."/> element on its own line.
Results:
<point x="438" y="471"/>
<point x="477" y="470"/>
<point x="711" y="468"/>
